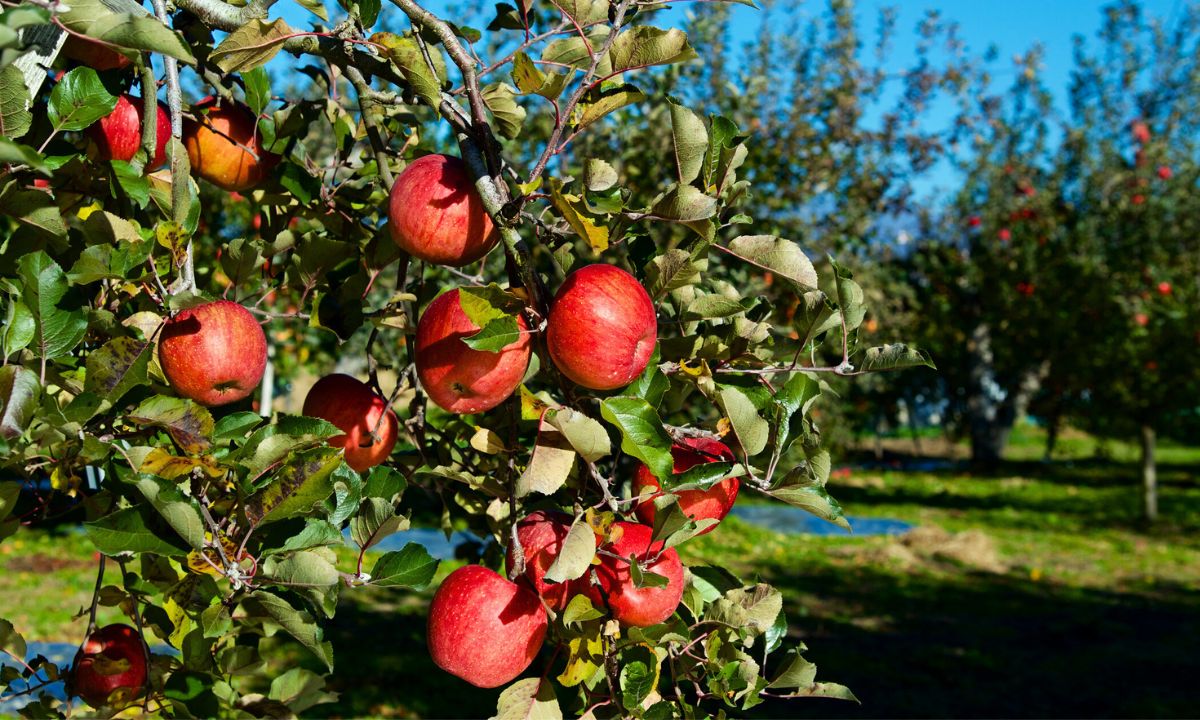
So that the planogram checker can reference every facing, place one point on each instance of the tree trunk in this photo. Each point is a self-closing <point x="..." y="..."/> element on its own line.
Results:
<point x="1149" y="474"/>
<point x="1052" y="425"/>
<point x="991" y="408"/>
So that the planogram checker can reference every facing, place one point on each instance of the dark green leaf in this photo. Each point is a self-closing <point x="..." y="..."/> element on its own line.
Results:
<point x="79" y="99"/>
<point x="303" y="482"/>
<point x="131" y="530"/>
<point x="118" y="366"/>
<point x="44" y="283"/>
<point x="410" y="567"/>
<point x="190" y="425"/>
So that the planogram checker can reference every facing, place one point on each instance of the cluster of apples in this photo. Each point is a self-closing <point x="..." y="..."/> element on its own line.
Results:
<point x="600" y="333"/>
<point x="486" y="629"/>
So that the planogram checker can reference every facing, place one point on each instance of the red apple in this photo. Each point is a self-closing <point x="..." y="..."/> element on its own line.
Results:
<point x="213" y="353"/>
<point x="1139" y="199"/>
<point x="118" y="135"/>
<point x="93" y="53"/>
<point x="356" y="410"/>
<point x="436" y="215"/>
<point x="110" y="668"/>
<point x="456" y="377"/>
<point x="1142" y="319"/>
<point x="1164" y="288"/>
<point x="483" y="628"/>
<point x="1140" y="131"/>
<point x="715" y="503"/>
<point x="541" y="535"/>
<point x="225" y="147"/>
<point x="974" y="221"/>
<point x="1005" y="235"/>
<point x="630" y="605"/>
<point x="1164" y="172"/>
<point x="602" y="329"/>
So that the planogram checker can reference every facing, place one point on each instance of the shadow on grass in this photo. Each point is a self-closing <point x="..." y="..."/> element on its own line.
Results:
<point x="909" y="645"/>
<point x="982" y="645"/>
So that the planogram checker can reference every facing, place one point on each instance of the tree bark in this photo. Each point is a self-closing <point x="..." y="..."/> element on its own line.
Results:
<point x="991" y="408"/>
<point x="1149" y="474"/>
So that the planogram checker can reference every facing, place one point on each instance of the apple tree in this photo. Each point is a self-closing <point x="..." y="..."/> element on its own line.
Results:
<point x="549" y="347"/>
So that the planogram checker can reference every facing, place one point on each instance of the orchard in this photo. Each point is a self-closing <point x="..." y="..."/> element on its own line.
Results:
<point x="512" y="322"/>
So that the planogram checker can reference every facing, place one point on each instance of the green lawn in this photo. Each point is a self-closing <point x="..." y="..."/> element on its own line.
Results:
<point x="1033" y="591"/>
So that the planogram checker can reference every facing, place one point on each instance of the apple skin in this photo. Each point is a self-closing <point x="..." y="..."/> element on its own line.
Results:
<point x="483" y="628"/>
<point x="355" y="409"/>
<point x="213" y="353"/>
<point x="435" y="214"/>
<point x="715" y="503"/>
<point x="94" y="54"/>
<point x="456" y="377"/>
<point x="629" y="605"/>
<point x="118" y="135"/>
<point x="602" y="329"/>
<point x="115" y="643"/>
<point x="541" y="535"/>
<point x="224" y="146"/>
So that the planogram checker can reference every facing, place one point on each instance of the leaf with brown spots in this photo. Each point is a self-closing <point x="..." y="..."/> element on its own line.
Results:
<point x="303" y="482"/>
<point x="189" y="425"/>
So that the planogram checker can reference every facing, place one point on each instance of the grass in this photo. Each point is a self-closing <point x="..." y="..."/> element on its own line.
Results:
<point x="1034" y="590"/>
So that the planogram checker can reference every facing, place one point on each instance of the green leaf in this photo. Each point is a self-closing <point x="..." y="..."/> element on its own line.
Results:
<point x="189" y="424"/>
<point x="684" y="203"/>
<point x="252" y="45"/>
<point x="644" y="46"/>
<point x="130" y="530"/>
<point x="751" y="430"/>
<point x="78" y="100"/>
<point x="295" y="489"/>
<point x="495" y="336"/>
<point x="782" y="257"/>
<point x="803" y="489"/>
<point x="426" y="82"/>
<point x="637" y="680"/>
<point x="587" y="436"/>
<point x="141" y="32"/>
<point x="580" y="609"/>
<point x="118" y="366"/>
<point x="712" y="306"/>
<point x="526" y="75"/>
<point x="19" y="390"/>
<point x="528" y="699"/>
<point x="597" y="106"/>
<point x="33" y="208"/>
<point x="14" y="153"/>
<point x="894" y="357"/>
<point x="58" y="331"/>
<point x="550" y="463"/>
<point x="761" y="603"/>
<point x="410" y="567"/>
<point x="849" y="296"/>
<point x="501" y="100"/>
<point x="598" y="175"/>
<point x="15" y="117"/>
<point x="10" y="492"/>
<point x="258" y="88"/>
<point x="576" y="554"/>
<point x="180" y="511"/>
<point x="317" y="7"/>
<point x="690" y="140"/>
<point x="797" y="673"/>
<point x="307" y="568"/>
<point x="583" y="12"/>
<point x="376" y="520"/>
<point x="11" y="641"/>
<point x="19" y="327"/>
<point x="300" y="689"/>
<point x="316" y="532"/>
<point x="236" y="425"/>
<point x="578" y="216"/>
<point x="672" y="270"/>
<point x="642" y="433"/>
<point x="263" y="605"/>
<point x="271" y="443"/>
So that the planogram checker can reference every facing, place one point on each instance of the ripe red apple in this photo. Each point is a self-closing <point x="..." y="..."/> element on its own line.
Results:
<point x="1139" y="199"/>
<point x="1164" y="288"/>
<point x="541" y="535"/>
<point x="110" y="668"/>
<point x="715" y="503"/>
<point x="118" y="135"/>
<point x="213" y="353"/>
<point x="1140" y="131"/>
<point x="355" y="409"/>
<point x="93" y="53"/>
<point x="1141" y="319"/>
<point x="456" y="377"/>
<point x="1164" y="172"/>
<point x="974" y="221"/>
<point x="1005" y="235"/>
<point x="630" y="605"/>
<point x="483" y="628"/>
<point x="225" y="147"/>
<point x="602" y="329"/>
<point x="436" y="215"/>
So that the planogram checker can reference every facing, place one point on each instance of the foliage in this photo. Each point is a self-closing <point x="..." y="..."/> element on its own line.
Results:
<point x="223" y="520"/>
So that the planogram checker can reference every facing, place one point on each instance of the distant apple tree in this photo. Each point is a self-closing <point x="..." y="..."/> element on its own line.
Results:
<point x="602" y="369"/>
